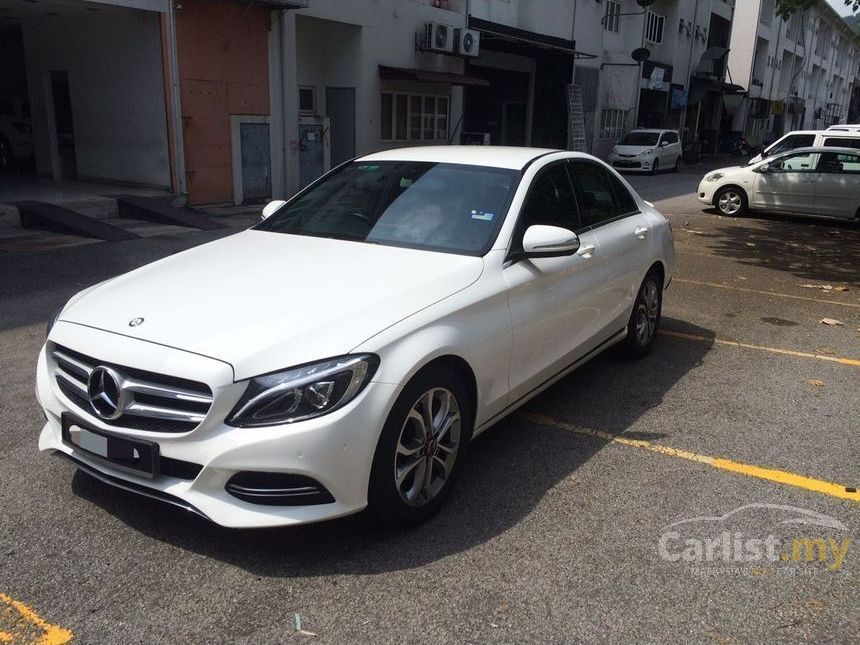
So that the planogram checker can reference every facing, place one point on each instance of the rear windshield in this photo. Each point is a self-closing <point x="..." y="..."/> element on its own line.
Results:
<point x="435" y="206"/>
<point x="640" y="139"/>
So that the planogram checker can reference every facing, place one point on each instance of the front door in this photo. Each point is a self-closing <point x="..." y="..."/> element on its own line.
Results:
<point x="788" y="184"/>
<point x="256" y="162"/>
<point x="554" y="302"/>
<point x="838" y="190"/>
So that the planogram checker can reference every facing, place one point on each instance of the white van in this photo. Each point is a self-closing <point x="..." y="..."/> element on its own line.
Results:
<point x="808" y="138"/>
<point x="846" y="127"/>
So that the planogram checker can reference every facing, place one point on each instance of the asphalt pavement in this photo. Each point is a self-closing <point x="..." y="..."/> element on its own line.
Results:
<point x="703" y="494"/>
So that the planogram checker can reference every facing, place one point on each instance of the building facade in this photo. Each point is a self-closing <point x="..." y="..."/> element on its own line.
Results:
<point x="799" y="74"/>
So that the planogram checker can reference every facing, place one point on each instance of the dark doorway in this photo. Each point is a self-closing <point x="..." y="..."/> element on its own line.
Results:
<point x="340" y="110"/>
<point x="499" y="109"/>
<point x="16" y="134"/>
<point x="62" y="101"/>
<point x="256" y="162"/>
<point x="652" y="108"/>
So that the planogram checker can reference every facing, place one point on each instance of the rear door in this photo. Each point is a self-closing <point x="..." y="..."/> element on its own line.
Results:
<point x="609" y="212"/>
<point x="837" y="192"/>
<point x="789" y="185"/>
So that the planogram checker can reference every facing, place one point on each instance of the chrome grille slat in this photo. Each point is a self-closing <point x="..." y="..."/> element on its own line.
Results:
<point x="174" y="393"/>
<point x="75" y="383"/>
<point x="60" y="357"/>
<point x="158" y="412"/>
<point x="152" y="402"/>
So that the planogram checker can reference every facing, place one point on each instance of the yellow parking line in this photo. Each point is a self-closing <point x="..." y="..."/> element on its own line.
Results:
<point x="762" y="348"/>
<point x="750" y="470"/>
<point x="766" y="293"/>
<point x="51" y="634"/>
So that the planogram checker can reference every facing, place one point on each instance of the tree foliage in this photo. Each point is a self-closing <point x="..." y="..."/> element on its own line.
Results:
<point x="787" y="7"/>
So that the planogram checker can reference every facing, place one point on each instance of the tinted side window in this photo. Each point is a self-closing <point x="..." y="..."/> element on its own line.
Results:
<point x="792" y="142"/>
<point x="671" y="137"/>
<point x="842" y="143"/>
<point x="550" y="202"/>
<point x="596" y="194"/>
<point x="835" y="163"/>
<point x="624" y="200"/>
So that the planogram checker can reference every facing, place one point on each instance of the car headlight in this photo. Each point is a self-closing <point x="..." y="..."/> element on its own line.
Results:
<point x="714" y="176"/>
<point x="645" y="153"/>
<point x="303" y="392"/>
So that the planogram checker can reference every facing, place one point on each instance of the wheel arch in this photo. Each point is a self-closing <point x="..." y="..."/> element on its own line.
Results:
<point x="722" y="188"/>
<point x="460" y="366"/>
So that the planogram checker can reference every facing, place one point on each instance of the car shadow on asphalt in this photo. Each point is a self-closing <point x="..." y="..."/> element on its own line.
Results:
<point x="508" y="471"/>
<point x="806" y="247"/>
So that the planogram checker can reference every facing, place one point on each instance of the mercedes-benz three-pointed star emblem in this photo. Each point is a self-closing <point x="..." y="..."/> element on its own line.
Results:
<point x="104" y="390"/>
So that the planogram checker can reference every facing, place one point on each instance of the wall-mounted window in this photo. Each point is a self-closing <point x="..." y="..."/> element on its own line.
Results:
<point x="413" y="117"/>
<point x="613" y="124"/>
<point x="654" y="24"/>
<point x="612" y="17"/>
<point x="307" y="99"/>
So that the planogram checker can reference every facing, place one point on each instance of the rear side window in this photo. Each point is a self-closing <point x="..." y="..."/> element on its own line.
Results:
<point x="841" y="142"/>
<point x="626" y="205"/>
<point x="599" y="199"/>
<point x="840" y="164"/>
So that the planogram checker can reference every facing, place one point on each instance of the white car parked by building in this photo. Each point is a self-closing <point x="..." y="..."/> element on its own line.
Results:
<point x="806" y="181"/>
<point x="647" y="151"/>
<point x="344" y="351"/>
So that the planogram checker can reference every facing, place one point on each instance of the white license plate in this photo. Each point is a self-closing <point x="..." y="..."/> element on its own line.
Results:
<point x="90" y="441"/>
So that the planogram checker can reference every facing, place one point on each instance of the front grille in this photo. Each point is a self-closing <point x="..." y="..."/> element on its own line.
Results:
<point x="152" y="402"/>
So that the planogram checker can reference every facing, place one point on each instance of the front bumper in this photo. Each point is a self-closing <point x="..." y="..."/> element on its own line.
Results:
<point x="335" y="450"/>
<point x="631" y="164"/>
<point x="706" y="191"/>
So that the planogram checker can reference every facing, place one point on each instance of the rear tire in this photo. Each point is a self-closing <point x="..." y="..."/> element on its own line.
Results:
<point x="731" y="201"/>
<point x="645" y="318"/>
<point x="421" y="448"/>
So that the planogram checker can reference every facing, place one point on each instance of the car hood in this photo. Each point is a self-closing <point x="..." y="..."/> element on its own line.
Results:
<point x="728" y="170"/>
<point x="630" y="150"/>
<point x="265" y="301"/>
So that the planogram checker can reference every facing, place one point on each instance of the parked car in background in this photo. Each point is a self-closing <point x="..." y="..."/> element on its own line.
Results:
<point x="343" y="352"/>
<point x="807" y="138"/>
<point x="808" y="181"/>
<point x="647" y="151"/>
<point x="16" y="134"/>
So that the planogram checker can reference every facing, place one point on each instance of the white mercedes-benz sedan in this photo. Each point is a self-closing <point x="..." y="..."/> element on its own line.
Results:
<point x="822" y="181"/>
<point x="341" y="353"/>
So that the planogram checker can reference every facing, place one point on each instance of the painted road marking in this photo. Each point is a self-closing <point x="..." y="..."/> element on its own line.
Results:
<point x="766" y="293"/>
<point x="762" y="348"/>
<point x="20" y="624"/>
<point x="750" y="470"/>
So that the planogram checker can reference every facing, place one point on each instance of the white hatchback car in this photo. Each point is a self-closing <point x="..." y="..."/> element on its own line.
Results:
<point x="648" y="151"/>
<point x="806" y="181"/>
<point x="344" y="351"/>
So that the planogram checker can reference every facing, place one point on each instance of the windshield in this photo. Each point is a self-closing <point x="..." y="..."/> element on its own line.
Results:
<point x="435" y="206"/>
<point x="640" y="139"/>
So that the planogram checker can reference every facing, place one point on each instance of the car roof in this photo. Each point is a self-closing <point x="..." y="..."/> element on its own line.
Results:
<point x="513" y="157"/>
<point x="814" y="149"/>
<point x="655" y="130"/>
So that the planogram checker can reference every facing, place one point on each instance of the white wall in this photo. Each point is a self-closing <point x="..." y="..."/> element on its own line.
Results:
<point x="114" y="65"/>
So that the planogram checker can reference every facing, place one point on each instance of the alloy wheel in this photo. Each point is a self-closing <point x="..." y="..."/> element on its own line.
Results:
<point x="730" y="202"/>
<point x="647" y="312"/>
<point x="427" y="447"/>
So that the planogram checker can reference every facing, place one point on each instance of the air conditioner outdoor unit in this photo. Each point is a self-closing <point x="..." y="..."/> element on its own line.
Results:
<point x="467" y="42"/>
<point x="436" y="37"/>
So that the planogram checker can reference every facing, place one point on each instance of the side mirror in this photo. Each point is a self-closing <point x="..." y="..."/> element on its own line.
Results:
<point x="663" y="144"/>
<point x="764" y="168"/>
<point x="272" y="207"/>
<point x="549" y="242"/>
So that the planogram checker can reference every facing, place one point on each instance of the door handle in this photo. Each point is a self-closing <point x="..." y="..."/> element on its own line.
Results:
<point x="640" y="232"/>
<point x="586" y="251"/>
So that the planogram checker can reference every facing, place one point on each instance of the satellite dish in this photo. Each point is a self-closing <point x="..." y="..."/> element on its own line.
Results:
<point x="640" y="55"/>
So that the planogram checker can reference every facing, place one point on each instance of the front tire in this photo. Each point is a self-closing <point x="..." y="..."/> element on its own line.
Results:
<point x="422" y="445"/>
<point x="731" y="201"/>
<point x="645" y="318"/>
<point x="655" y="168"/>
<point x="677" y="166"/>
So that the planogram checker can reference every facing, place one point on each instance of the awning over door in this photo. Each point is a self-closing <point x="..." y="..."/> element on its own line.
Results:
<point x="494" y="30"/>
<point x="429" y="76"/>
